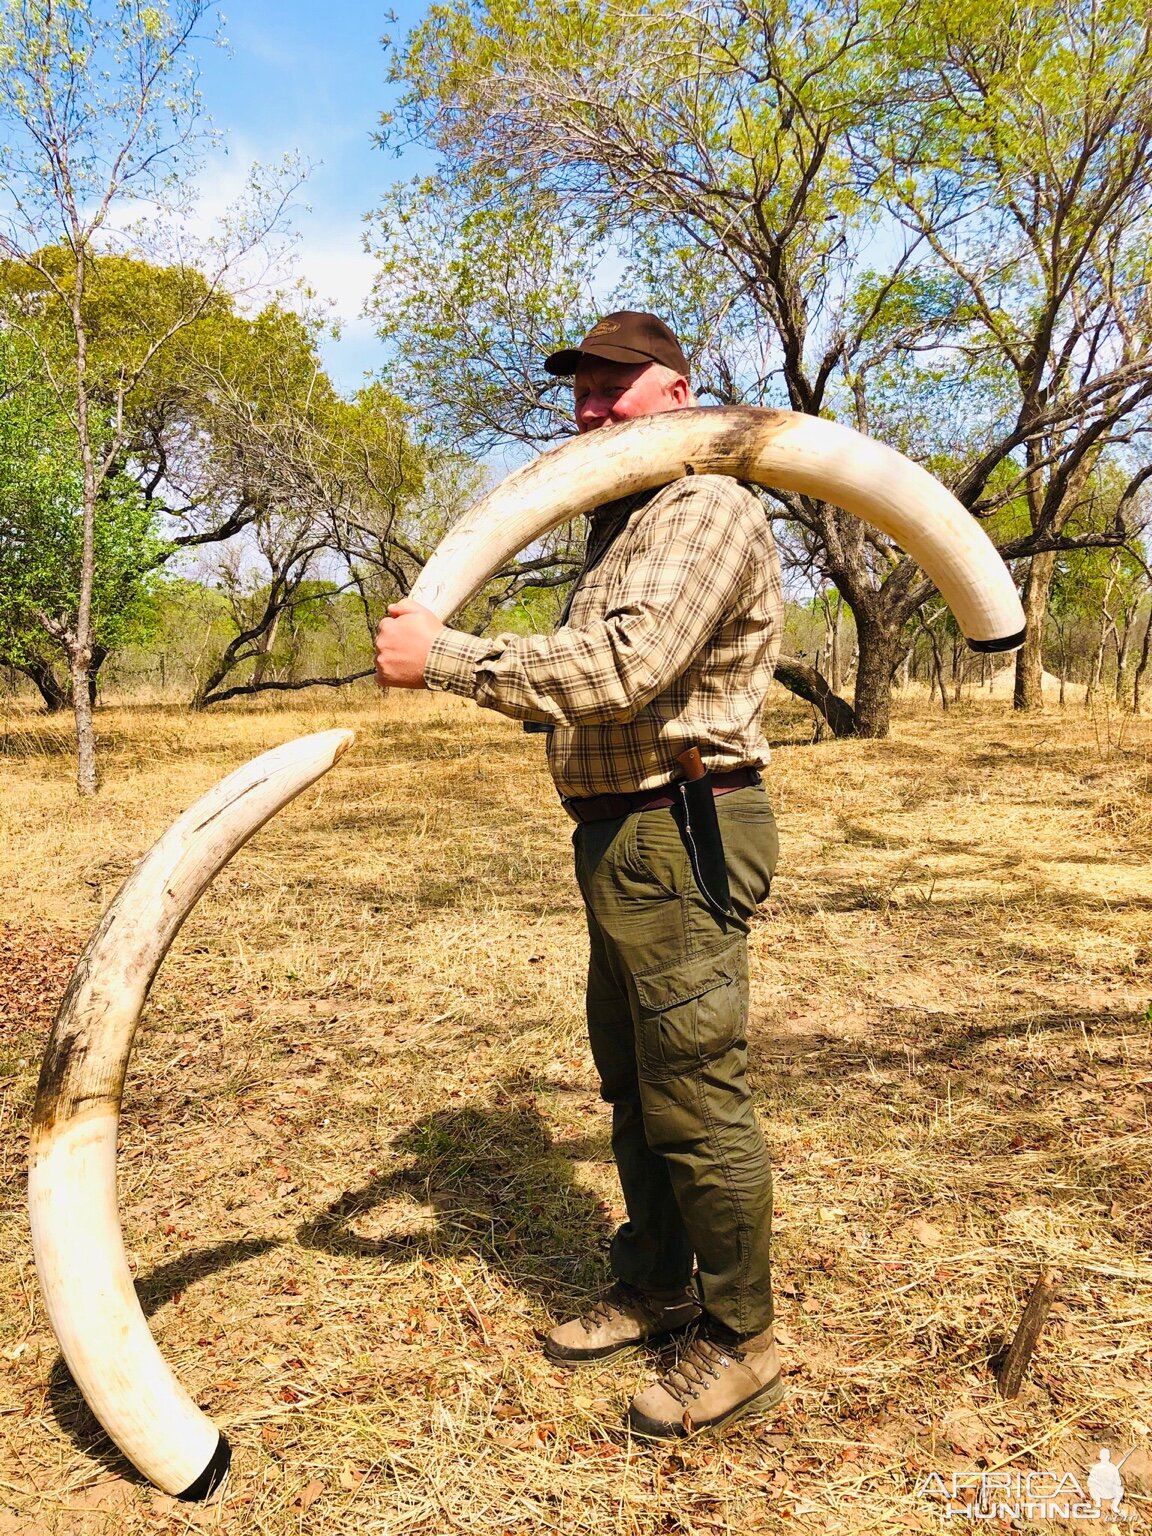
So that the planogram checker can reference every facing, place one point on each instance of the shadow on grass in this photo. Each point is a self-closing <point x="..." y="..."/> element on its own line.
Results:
<point x="1023" y="1106"/>
<point x="905" y="888"/>
<point x="499" y="1190"/>
<point x="71" y="1411"/>
<point x="165" y="1284"/>
<point x="955" y="1044"/>
<point x="46" y="742"/>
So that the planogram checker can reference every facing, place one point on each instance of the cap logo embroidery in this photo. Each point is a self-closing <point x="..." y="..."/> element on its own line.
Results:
<point x="605" y="328"/>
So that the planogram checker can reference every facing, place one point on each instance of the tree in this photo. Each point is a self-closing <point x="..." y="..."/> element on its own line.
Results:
<point x="314" y="473"/>
<point x="100" y="110"/>
<point x="40" y="537"/>
<point x="489" y="287"/>
<point x="930" y="220"/>
<point x="235" y="440"/>
<point x="186" y="448"/>
<point x="1031" y="181"/>
<point x="1145" y="656"/>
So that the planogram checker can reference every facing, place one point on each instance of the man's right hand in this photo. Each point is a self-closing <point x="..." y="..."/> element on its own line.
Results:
<point x="403" y="641"/>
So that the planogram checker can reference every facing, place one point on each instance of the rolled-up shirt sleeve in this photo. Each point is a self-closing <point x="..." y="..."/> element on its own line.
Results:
<point x="688" y="557"/>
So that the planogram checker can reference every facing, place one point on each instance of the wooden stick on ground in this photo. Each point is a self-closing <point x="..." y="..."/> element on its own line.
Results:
<point x="1014" y="1362"/>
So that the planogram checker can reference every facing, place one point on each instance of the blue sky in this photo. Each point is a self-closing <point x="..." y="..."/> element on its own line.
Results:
<point x="312" y="79"/>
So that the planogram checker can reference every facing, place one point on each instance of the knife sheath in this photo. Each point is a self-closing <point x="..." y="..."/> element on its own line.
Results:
<point x="700" y="827"/>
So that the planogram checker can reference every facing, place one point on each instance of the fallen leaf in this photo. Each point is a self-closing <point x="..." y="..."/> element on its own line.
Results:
<point x="924" y="1232"/>
<point x="308" y="1495"/>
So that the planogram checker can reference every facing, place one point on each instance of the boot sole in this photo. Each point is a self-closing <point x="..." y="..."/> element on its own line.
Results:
<point x="769" y="1396"/>
<point x="612" y="1351"/>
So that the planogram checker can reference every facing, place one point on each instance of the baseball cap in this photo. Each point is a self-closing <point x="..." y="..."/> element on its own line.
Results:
<point x="626" y="336"/>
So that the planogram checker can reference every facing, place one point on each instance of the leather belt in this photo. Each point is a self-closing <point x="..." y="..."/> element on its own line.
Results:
<point x="616" y="807"/>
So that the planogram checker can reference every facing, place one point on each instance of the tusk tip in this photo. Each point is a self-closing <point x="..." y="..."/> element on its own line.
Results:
<point x="348" y="740"/>
<point x="212" y="1476"/>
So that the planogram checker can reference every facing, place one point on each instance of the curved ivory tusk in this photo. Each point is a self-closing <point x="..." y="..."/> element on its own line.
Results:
<point x="76" y="1236"/>
<point x="785" y="450"/>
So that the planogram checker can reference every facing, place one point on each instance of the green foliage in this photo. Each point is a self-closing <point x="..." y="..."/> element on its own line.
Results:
<point x="127" y="304"/>
<point x="534" y="611"/>
<point x="232" y="429"/>
<point x="930" y="220"/>
<point x="470" y="293"/>
<point x="95" y="110"/>
<point x="41" y="530"/>
<point x="1089" y="581"/>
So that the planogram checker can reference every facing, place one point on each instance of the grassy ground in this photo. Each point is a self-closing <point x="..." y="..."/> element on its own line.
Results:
<point x="363" y="1160"/>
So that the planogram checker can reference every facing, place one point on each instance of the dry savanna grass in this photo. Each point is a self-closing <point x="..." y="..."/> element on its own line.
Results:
<point x="363" y="1159"/>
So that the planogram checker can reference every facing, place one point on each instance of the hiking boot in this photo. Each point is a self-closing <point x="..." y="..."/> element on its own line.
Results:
<point x="620" y="1319"/>
<point x="717" y="1378"/>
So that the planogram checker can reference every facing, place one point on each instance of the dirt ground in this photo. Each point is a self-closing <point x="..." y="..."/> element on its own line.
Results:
<point x="363" y="1159"/>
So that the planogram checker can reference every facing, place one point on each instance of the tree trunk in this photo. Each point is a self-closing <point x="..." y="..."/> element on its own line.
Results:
<point x="881" y="651"/>
<point x="51" y="689"/>
<point x="1142" y="667"/>
<point x="937" y="661"/>
<point x="1029" y="691"/>
<point x="99" y="657"/>
<point x="267" y="641"/>
<point x="807" y="684"/>
<point x="1122" y="638"/>
<point x="959" y="669"/>
<point x="833" y="607"/>
<point x="86" y="780"/>
<point x="1096" y="670"/>
<point x="1063" y="664"/>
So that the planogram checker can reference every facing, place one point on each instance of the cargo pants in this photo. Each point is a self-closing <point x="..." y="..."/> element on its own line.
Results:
<point x="667" y="1005"/>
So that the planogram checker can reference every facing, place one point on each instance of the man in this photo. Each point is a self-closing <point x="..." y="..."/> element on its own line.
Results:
<point x="668" y="642"/>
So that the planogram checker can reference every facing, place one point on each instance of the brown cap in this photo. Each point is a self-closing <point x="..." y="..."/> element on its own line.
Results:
<point x="627" y="336"/>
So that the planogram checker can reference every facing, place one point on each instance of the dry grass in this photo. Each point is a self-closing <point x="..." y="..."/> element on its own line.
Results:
<point x="363" y="1158"/>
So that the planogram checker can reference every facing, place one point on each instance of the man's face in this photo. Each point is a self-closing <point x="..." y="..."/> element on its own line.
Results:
<point x="606" y="392"/>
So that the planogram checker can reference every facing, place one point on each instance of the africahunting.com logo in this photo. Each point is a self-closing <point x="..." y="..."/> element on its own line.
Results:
<point x="1034" y="1495"/>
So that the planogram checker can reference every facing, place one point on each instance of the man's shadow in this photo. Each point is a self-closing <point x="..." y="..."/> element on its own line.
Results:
<point x="497" y="1188"/>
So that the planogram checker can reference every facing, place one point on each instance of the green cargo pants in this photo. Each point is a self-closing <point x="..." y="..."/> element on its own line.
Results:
<point x="667" y="1008"/>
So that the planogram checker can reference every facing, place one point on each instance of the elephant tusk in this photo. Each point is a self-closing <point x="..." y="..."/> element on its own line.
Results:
<point x="784" y="450"/>
<point x="76" y="1234"/>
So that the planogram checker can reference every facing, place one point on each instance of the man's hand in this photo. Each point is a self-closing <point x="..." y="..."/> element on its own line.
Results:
<point x="402" y="644"/>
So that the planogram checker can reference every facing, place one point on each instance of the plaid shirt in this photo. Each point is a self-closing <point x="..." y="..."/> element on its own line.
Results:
<point x="668" y="641"/>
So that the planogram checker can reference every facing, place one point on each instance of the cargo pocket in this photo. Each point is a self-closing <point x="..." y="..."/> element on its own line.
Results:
<point x="691" y="1013"/>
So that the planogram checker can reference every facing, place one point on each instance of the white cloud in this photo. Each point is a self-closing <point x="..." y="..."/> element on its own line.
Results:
<point x="334" y="264"/>
<point x="327" y="252"/>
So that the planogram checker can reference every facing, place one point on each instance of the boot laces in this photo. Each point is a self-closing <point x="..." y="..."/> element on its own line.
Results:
<point x="700" y="1363"/>
<point x="609" y="1304"/>
<point x="618" y="1298"/>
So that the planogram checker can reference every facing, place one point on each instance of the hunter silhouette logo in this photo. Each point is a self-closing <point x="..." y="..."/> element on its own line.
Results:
<point x="1104" y="1481"/>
